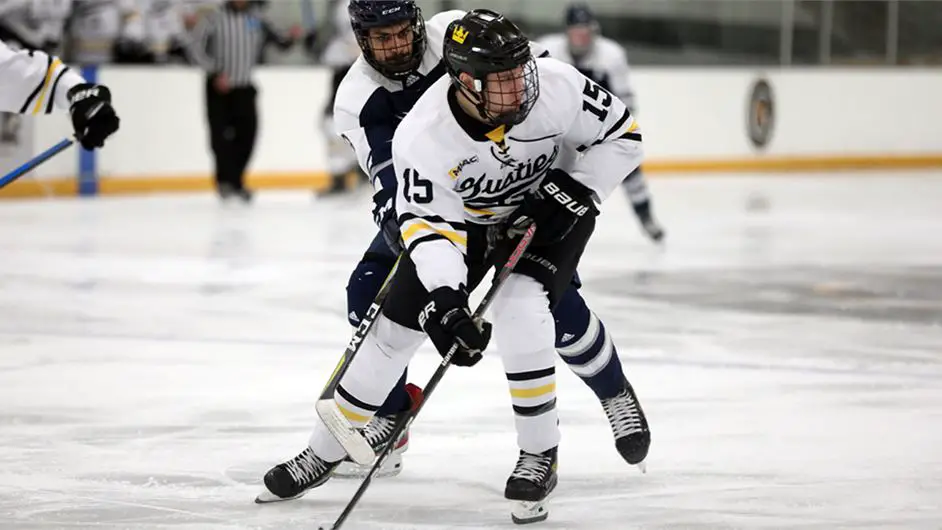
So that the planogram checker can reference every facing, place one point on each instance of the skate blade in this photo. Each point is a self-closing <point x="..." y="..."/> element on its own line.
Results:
<point x="390" y="468"/>
<point x="267" y="497"/>
<point x="348" y="436"/>
<point x="528" y="512"/>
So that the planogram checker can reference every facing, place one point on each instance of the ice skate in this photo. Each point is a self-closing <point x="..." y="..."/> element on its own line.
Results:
<point x="295" y="477"/>
<point x="377" y="433"/>
<point x="629" y="426"/>
<point x="530" y="485"/>
<point x="652" y="229"/>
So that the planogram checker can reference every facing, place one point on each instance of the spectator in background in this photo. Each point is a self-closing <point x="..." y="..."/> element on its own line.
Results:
<point x="227" y="44"/>
<point x="105" y="31"/>
<point x="34" y="24"/>
<point x="166" y="29"/>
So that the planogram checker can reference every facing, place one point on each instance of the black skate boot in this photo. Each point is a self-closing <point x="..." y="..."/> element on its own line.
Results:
<point x="653" y="229"/>
<point x="530" y="485"/>
<point x="377" y="433"/>
<point x="630" y="427"/>
<point x="295" y="477"/>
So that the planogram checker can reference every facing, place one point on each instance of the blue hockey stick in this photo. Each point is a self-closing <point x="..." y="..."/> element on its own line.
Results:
<point x="35" y="162"/>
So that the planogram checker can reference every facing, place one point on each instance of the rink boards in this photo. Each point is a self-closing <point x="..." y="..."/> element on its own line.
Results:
<point x="693" y="120"/>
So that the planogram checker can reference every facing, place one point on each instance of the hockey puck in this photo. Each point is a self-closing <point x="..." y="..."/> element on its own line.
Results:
<point x="757" y="202"/>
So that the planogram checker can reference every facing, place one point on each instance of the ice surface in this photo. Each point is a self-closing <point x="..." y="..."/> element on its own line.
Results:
<point x="160" y="353"/>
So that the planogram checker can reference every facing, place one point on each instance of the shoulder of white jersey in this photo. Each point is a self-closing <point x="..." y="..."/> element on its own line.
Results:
<point x="435" y="31"/>
<point x="420" y="130"/>
<point x="561" y="87"/>
<point x="356" y="88"/>
<point x="556" y="44"/>
<point x="610" y="51"/>
<point x="554" y="73"/>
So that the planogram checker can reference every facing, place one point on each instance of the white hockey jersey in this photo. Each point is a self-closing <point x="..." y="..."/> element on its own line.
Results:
<point x="34" y="82"/>
<point x="369" y="106"/>
<point x="606" y="64"/>
<point x="450" y="179"/>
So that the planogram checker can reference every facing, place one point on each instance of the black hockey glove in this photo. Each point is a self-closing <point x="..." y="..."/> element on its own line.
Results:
<point x="447" y="320"/>
<point x="93" y="117"/>
<point x="556" y="205"/>
<point x="384" y="215"/>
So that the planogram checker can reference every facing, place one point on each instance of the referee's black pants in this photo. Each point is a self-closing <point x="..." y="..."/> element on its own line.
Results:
<point x="233" y="124"/>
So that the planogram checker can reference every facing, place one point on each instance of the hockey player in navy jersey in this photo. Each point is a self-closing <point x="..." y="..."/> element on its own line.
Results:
<point x="401" y="59"/>
<point x="604" y="61"/>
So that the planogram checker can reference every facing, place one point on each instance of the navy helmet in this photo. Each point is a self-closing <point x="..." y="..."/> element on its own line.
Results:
<point x="484" y="42"/>
<point x="579" y="15"/>
<point x="401" y="59"/>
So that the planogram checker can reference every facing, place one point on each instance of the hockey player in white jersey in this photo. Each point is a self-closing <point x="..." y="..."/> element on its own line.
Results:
<point x="604" y="61"/>
<point x="402" y="57"/>
<point x="476" y="159"/>
<point x="36" y="83"/>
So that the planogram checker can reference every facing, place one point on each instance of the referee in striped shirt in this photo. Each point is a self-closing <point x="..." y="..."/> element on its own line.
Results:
<point x="228" y="44"/>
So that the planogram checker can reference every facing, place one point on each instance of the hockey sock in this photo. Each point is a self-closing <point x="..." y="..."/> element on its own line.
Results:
<point x="586" y="346"/>
<point x="365" y="282"/>
<point x="398" y="399"/>
<point x="637" y="190"/>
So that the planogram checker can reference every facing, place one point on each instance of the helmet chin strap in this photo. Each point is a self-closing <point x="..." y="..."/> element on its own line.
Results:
<point x="477" y="98"/>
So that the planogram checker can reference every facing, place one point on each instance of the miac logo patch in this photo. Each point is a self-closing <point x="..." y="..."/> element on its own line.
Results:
<point x="459" y="35"/>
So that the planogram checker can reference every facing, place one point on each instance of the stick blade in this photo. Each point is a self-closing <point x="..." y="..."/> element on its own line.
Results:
<point x="348" y="436"/>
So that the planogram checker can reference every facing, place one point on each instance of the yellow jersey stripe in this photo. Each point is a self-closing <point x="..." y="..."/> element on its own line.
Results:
<point x="478" y="212"/>
<point x="42" y="95"/>
<point x="454" y="237"/>
<point x="532" y="392"/>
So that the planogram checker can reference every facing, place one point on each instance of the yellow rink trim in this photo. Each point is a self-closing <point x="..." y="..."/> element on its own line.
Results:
<point x="29" y="187"/>
<point x="776" y="164"/>
<point x="315" y="180"/>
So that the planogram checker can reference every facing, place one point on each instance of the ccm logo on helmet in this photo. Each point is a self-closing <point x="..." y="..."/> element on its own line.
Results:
<point x="392" y="10"/>
<point x="563" y="198"/>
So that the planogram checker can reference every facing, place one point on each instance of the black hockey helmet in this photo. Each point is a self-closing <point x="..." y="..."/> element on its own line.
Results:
<point x="581" y="29"/>
<point x="484" y="42"/>
<point x="368" y="14"/>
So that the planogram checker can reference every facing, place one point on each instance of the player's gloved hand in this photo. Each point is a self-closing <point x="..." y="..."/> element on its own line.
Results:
<point x="93" y="117"/>
<point x="384" y="215"/>
<point x="447" y="320"/>
<point x="556" y="205"/>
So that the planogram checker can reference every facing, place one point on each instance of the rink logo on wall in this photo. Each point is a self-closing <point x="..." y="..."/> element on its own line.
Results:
<point x="761" y="113"/>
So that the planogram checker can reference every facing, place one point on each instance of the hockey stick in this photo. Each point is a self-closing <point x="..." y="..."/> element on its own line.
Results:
<point x="34" y="162"/>
<point x="407" y="420"/>
<point x="356" y="445"/>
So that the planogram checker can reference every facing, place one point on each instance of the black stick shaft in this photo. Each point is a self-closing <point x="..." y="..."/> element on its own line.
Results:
<point x="362" y="329"/>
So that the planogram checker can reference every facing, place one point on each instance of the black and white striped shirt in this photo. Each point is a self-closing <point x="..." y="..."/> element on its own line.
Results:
<point x="230" y="41"/>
